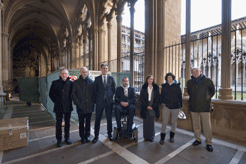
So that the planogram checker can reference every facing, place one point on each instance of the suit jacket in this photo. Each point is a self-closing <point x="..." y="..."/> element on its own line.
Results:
<point x="100" y="91"/>
<point x="120" y="97"/>
<point x="83" y="95"/>
<point x="61" y="95"/>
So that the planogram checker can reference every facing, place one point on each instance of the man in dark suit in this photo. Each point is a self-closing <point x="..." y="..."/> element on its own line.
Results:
<point x="125" y="98"/>
<point x="60" y="93"/>
<point x="82" y="95"/>
<point x="104" y="89"/>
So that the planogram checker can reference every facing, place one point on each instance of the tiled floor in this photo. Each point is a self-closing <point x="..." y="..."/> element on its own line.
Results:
<point x="42" y="146"/>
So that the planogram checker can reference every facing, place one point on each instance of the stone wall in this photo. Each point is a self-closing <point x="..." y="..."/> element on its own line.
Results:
<point x="227" y="119"/>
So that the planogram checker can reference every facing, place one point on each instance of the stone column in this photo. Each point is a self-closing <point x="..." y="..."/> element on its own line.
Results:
<point x="132" y="10"/>
<point x="85" y="49"/>
<point x="73" y="61"/>
<point x="225" y="93"/>
<point x="109" y="25"/>
<point x="5" y="58"/>
<point x="160" y="42"/>
<point x="119" y="33"/>
<point x="100" y="47"/>
<point x="1" y="58"/>
<point x="80" y="52"/>
<point x="187" y="47"/>
<point x="60" y="59"/>
<point x="68" y="57"/>
<point x="1" y="69"/>
<point x="149" y="38"/>
<point x="90" y="50"/>
<point x="95" y="50"/>
<point x="119" y="10"/>
<point x="77" y="48"/>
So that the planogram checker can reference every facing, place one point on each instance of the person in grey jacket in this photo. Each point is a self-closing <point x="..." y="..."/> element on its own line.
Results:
<point x="83" y="96"/>
<point x="171" y="102"/>
<point x="201" y="90"/>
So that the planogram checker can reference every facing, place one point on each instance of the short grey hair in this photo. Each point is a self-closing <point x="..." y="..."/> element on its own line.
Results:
<point x="198" y="68"/>
<point x="84" y="68"/>
<point x="65" y="70"/>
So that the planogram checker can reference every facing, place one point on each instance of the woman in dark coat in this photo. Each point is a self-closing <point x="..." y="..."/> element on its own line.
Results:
<point x="171" y="102"/>
<point x="149" y="99"/>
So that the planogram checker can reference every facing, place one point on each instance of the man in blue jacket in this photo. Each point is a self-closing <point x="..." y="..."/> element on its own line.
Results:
<point x="104" y="89"/>
<point x="60" y="93"/>
<point x="125" y="98"/>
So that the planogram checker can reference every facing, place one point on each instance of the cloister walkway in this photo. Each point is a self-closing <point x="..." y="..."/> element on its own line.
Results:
<point x="42" y="145"/>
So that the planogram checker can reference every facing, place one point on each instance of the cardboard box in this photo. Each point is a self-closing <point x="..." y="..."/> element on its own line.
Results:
<point x="14" y="133"/>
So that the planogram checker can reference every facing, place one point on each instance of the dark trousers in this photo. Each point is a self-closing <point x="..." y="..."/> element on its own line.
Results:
<point x="99" y="112"/>
<point x="59" y="117"/>
<point x="84" y="130"/>
<point x="130" y="110"/>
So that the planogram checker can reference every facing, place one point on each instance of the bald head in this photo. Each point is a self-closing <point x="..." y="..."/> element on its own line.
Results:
<point x="83" y="72"/>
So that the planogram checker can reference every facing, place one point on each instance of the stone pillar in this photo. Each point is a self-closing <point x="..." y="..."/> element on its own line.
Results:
<point x="119" y="10"/>
<point x="77" y="55"/>
<point x="80" y="52"/>
<point x="109" y="25"/>
<point x="160" y="43"/>
<point x="100" y="47"/>
<point x="73" y="60"/>
<point x="132" y="10"/>
<point x="60" y="59"/>
<point x="90" y="50"/>
<point x="95" y="50"/>
<point x="1" y="60"/>
<point x="85" y="49"/>
<point x="149" y="38"/>
<point x="68" y="57"/>
<point x="187" y="47"/>
<point x="5" y="58"/>
<point x="119" y="33"/>
<point x="225" y="93"/>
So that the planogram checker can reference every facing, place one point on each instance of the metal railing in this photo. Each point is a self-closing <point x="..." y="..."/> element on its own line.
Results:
<point x="138" y="67"/>
<point x="206" y="54"/>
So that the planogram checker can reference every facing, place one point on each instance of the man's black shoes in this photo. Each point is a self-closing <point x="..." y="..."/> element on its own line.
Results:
<point x="68" y="141"/>
<point x="87" y="140"/>
<point x="59" y="144"/>
<point x="195" y="143"/>
<point x="110" y="138"/>
<point x="82" y="140"/>
<point x="209" y="148"/>
<point x="95" y="139"/>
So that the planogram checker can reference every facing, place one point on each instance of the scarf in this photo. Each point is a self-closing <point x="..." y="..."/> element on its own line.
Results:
<point x="125" y="90"/>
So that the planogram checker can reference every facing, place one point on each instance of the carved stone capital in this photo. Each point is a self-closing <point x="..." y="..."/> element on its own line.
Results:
<point x="109" y="25"/>
<point x="5" y="34"/>
<point x="1" y="6"/>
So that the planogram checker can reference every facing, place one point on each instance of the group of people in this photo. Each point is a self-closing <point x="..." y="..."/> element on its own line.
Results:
<point x="200" y="90"/>
<point x="85" y="94"/>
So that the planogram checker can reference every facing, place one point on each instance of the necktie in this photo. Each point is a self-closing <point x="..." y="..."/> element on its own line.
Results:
<point x="104" y="81"/>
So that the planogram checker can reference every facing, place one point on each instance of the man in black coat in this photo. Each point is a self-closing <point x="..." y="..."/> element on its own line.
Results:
<point x="201" y="90"/>
<point x="104" y="89"/>
<point x="60" y="93"/>
<point x="82" y="95"/>
<point x="125" y="98"/>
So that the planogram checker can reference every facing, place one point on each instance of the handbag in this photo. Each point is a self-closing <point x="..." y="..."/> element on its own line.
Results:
<point x="181" y="114"/>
